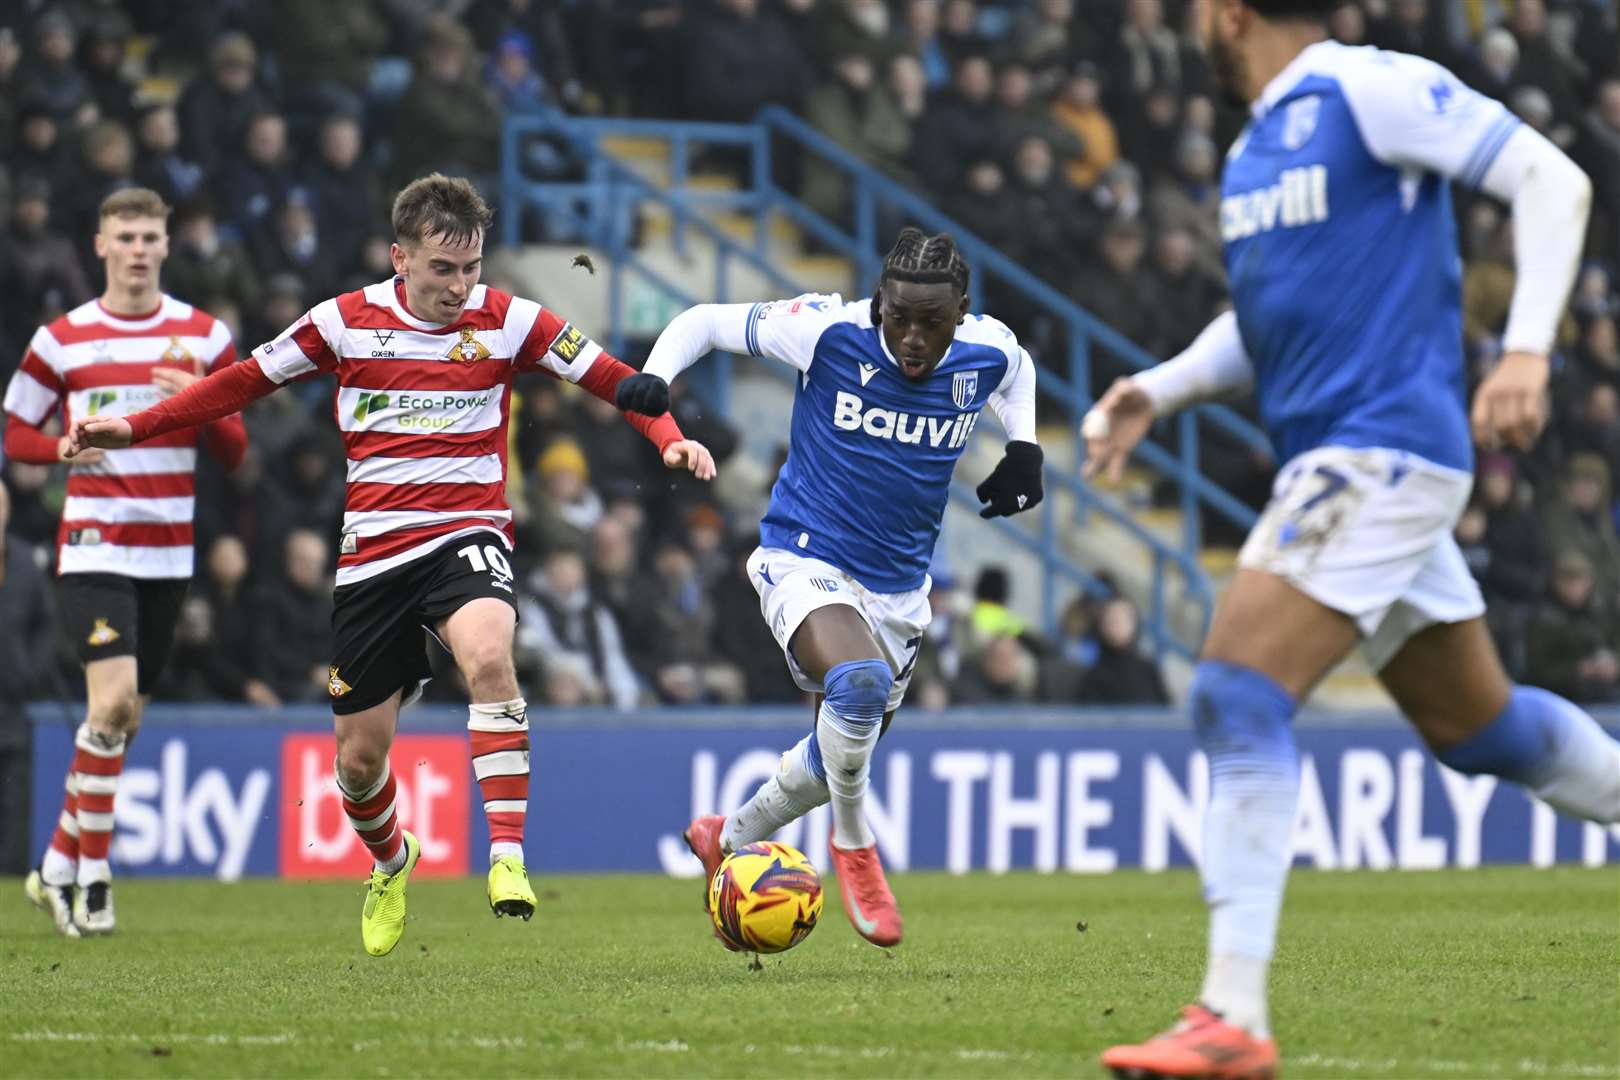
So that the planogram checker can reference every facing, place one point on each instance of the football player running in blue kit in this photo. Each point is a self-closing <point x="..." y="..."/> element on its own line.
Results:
<point x="889" y="390"/>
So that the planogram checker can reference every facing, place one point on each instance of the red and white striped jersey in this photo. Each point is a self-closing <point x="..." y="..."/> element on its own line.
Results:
<point x="129" y="513"/>
<point x="423" y="411"/>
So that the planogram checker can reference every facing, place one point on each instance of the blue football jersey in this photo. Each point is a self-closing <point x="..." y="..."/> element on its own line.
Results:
<point x="1342" y="252"/>
<point x="870" y="453"/>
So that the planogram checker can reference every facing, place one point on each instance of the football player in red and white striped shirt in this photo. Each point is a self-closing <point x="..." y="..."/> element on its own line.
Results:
<point x="424" y="366"/>
<point x="124" y="552"/>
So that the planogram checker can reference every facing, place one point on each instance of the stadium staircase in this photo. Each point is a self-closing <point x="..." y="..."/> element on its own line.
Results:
<point x="670" y="214"/>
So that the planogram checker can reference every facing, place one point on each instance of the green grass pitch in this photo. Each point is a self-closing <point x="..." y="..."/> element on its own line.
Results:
<point x="1489" y="973"/>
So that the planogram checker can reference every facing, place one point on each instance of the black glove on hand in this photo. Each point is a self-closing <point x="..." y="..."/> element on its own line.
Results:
<point x="642" y="393"/>
<point x="1015" y="484"/>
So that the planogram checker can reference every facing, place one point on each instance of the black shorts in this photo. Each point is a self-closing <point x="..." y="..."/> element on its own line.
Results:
<point x="380" y="625"/>
<point x="106" y="615"/>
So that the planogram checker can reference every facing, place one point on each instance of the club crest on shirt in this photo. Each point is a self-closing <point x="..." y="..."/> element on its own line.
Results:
<point x="964" y="388"/>
<point x="102" y="634"/>
<point x="1299" y="122"/>
<point x="335" y="684"/>
<point x="177" y="353"/>
<point x="469" y="349"/>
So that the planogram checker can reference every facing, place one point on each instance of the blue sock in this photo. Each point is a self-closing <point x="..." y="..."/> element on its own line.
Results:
<point x="1244" y="722"/>
<point x="1551" y="747"/>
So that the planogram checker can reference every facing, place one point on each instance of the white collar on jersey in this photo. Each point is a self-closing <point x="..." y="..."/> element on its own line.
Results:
<point x="389" y="295"/>
<point x="1290" y="76"/>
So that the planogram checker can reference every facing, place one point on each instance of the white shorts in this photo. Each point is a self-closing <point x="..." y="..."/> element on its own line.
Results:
<point x="1368" y="532"/>
<point x="791" y="586"/>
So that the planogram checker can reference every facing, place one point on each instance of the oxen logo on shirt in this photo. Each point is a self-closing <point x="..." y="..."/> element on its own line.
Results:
<point x="469" y="349"/>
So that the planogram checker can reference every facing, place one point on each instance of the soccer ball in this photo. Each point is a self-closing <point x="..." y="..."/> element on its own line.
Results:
<point x="765" y="898"/>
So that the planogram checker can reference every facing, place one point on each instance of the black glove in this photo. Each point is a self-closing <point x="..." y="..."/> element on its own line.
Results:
<point x="1015" y="484"/>
<point x="642" y="393"/>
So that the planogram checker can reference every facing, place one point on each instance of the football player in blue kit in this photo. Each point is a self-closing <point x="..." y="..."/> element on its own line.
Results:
<point x="1341" y="249"/>
<point x="888" y="392"/>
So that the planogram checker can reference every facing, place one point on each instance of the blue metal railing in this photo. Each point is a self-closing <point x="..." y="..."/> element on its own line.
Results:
<point x="601" y="209"/>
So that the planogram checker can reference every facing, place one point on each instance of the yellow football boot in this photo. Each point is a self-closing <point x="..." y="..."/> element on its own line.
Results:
<point x="509" y="891"/>
<point x="382" y="920"/>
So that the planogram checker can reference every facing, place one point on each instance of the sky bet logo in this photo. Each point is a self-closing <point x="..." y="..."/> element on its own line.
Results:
<point x="951" y="432"/>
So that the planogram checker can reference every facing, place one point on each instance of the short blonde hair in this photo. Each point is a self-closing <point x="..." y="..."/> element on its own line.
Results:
<point x="134" y="202"/>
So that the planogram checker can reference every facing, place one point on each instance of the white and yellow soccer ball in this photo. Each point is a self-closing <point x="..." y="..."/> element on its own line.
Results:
<point x="765" y="898"/>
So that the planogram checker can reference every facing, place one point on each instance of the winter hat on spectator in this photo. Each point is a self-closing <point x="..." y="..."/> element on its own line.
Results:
<point x="564" y="455"/>
<point x="1573" y="564"/>
<point x="234" y="49"/>
<point x="1294" y="9"/>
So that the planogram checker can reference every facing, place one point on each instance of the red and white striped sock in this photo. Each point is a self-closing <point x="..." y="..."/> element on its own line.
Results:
<point x="376" y="818"/>
<point x="98" y="760"/>
<point x="500" y="758"/>
<point x="61" y="863"/>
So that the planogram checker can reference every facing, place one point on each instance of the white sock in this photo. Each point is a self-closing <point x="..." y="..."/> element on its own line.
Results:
<point x="93" y="870"/>
<point x="1248" y="837"/>
<point x="57" y="869"/>
<point x="500" y="851"/>
<point x="1235" y="987"/>
<point x="846" y="751"/>
<point x="1582" y="776"/>
<point x="793" y="792"/>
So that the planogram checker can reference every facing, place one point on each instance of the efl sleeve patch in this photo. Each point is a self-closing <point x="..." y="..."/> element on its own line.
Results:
<point x="568" y="344"/>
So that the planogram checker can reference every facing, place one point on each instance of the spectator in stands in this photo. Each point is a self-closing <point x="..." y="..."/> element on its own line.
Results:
<point x="203" y="263"/>
<point x="1038" y="193"/>
<point x="1598" y="152"/>
<point x="249" y="187"/>
<point x="856" y="110"/>
<point x="106" y="36"/>
<point x="1024" y="115"/>
<point x="159" y="164"/>
<point x="1540" y="62"/>
<point x="1185" y="293"/>
<point x="960" y="126"/>
<point x="750" y="60"/>
<point x="512" y="78"/>
<point x="27" y="648"/>
<point x="985" y="204"/>
<point x="215" y="110"/>
<point x="109" y="164"/>
<point x="1597" y="359"/>
<point x="1594" y="427"/>
<point x="235" y="633"/>
<point x="1514" y="571"/>
<point x="294" y="615"/>
<point x="1121" y="675"/>
<point x="51" y="76"/>
<point x="303" y="490"/>
<point x="1580" y="519"/>
<point x="46" y="260"/>
<point x="920" y="37"/>
<point x="552" y="54"/>
<point x="447" y="120"/>
<point x="1149" y="52"/>
<point x="10" y="89"/>
<point x="671" y="630"/>
<point x="41" y="151"/>
<point x="326" y="50"/>
<point x="563" y="507"/>
<point x="991" y="616"/>
<point x="346" y="192"/>
<point x="1573" y="641"/>
<point x="1535" y="108"/>
<point x="1116" y="287"/>
<point x="1003" y="673"/>
<point x="1191" y="199"/>
<point x="292" y="244"/>
<point x="558" y="616"/>
<point x="283" y="303"/>
<point x="1079" y="108"/>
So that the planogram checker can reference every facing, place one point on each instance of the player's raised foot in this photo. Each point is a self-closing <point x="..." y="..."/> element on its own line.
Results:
<point x="703" y="837"/>
<point x="1201" y="1046"/>
<point x="93" y="909"/>
<point x="54" y="900"/>
<point x="509" y="891"/>
<point x="382" y="919"/>
<point x="867" y="899"/>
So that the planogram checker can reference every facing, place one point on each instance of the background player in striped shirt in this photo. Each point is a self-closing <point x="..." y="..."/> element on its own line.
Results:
<point x="124" y="548"/>
<point x="424" y="365"/>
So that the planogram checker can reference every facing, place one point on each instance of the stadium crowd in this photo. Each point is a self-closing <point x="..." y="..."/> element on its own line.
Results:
<point x="1082" y="136"/>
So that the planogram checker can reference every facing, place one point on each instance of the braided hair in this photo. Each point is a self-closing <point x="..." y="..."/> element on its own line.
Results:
<point x="925" y="259"/>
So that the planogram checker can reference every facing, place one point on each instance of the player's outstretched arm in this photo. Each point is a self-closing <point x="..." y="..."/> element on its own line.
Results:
<point x="224" y="392"/>
<point x="1215" y="365"/>
<point x="1015" y="484"/>
<point x="691" y="455"/>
